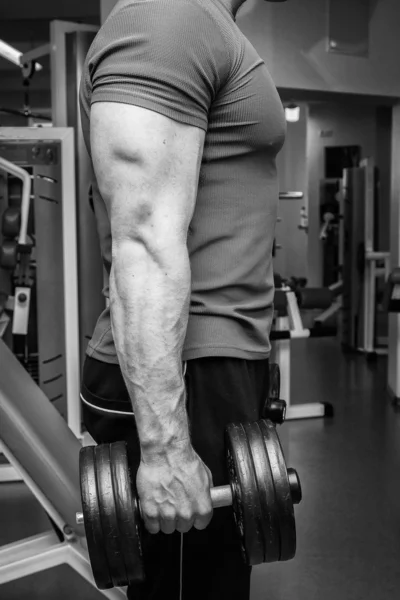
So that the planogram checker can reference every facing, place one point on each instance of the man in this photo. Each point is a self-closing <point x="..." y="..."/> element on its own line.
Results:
<point x="183" y="124"/>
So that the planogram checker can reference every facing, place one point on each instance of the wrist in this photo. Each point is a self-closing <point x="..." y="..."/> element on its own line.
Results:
<point x="156" y="451"/>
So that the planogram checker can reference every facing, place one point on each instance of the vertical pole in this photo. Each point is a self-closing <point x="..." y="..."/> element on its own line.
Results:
<point x="58" y="75"/>
<point x="71" y="303"/>
<point x="394" y="319"/>
<point x="282" y="358"/>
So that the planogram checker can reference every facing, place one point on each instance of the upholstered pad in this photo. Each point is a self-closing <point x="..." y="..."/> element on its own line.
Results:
<point x="39" y="438"/>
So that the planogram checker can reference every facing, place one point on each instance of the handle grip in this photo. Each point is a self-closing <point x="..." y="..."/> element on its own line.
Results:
<point x="220" y="496"/>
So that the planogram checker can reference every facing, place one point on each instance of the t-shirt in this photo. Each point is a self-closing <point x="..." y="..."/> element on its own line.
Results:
<point x="188" y="60"/>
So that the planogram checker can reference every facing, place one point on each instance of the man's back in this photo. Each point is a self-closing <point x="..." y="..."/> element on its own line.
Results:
<point x="187" y="60"/>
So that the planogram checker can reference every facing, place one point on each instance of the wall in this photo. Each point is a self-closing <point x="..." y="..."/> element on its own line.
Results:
<point x="291" y="38"/>
<point x="292" y="170"/>
<point x="383" y="162"/>
<point x="106" y="7"/>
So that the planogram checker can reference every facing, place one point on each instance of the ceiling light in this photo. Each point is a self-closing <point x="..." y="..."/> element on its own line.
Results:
<point x="292" y="113"/>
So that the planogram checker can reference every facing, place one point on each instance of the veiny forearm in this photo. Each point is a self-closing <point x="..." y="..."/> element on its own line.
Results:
<point x="149" y="303"/>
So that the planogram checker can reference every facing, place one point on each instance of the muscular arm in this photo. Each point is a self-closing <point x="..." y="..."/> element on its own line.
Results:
<point x="147" y="169"/>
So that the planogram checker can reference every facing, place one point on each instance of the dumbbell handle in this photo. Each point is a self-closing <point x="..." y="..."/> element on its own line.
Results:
<point x="222" y="495"/>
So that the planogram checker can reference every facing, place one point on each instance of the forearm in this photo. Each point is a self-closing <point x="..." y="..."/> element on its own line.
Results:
<point x="149" y="303"/>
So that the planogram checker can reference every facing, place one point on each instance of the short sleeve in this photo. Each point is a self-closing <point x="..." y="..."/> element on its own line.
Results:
<point x="167" y="56"/>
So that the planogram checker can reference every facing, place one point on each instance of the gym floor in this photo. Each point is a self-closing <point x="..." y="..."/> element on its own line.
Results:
<point x="349" y="522"/>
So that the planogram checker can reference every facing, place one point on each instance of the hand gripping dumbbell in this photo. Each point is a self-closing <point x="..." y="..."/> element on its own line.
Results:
<point x="262" y="492"/>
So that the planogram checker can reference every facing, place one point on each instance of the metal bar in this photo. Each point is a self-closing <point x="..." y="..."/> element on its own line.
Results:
<point x="27" y="547"/>
<point x="36" y="491"/>
<point x="336" y="288"/>
<point x="305" y="411"/>
<point x="34" y="54"/>
<point x="221" y="496"/>
<point x="300" y="334"/>
<point x="58" y="31"/>
<point x="8" y="474"/>
<point x="22" y="174"/>
<point x="377" y="256"/>
<point x="291" y="195"/>
<point x="329" y="312"/>
<point x="296" y="324"/>
<point x="34" y="558"/>
<point x="70" y="273"/>
<point x="77" y="558"/>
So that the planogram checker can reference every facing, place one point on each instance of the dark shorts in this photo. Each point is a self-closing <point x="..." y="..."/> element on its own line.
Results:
<point x="197" y="565"/>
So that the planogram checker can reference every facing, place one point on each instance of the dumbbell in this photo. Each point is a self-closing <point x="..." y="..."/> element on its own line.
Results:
<point x="262" y="492"/>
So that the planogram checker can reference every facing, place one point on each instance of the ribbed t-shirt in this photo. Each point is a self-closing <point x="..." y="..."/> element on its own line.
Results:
<point x="188" y="60"/>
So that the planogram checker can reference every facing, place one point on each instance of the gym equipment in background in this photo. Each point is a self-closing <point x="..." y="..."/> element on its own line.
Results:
<point x="392" y="292"/>
<point x="262" y="492"/>
<point x="69" y="43"/>
<point x="392" y="305"/>
<point x="38" y="268"/>
<point x="288" y="326"/>
<point x="364" y="269"/>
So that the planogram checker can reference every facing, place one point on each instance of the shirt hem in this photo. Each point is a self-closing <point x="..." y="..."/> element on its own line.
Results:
<point x="122" y="97"/>
<point x="194" y="353"/>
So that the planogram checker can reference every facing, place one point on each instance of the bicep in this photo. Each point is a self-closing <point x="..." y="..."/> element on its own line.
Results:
<point x="146" y="166"/>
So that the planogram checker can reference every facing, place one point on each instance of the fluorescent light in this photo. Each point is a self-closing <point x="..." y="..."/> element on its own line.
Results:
<point x="14" y="55"/>
<point x="292" y="113"/>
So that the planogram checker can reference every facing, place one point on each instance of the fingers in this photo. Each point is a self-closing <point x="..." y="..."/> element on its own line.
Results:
<point x="168" y="523"/>
<point x="152" y="525"/>
<point x="184" y="523"/>
<point x="203" y="519"/>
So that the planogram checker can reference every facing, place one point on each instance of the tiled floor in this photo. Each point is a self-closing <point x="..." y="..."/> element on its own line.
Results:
<point x="349" y="521"/>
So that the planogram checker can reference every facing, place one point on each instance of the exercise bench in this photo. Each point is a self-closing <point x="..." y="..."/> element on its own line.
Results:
<point x="38" y="443"/>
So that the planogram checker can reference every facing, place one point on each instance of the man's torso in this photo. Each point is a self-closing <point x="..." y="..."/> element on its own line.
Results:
<point x="231" y="234"/>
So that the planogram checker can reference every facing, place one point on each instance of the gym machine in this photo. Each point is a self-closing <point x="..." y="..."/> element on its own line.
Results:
<point x="392" y="305"/>
<point x="38" y="263"/>
<point x="40" y="446"/>
<point x="363" y="266"/>
<point x="69" y="43"/>
<point x="288" y="326"/>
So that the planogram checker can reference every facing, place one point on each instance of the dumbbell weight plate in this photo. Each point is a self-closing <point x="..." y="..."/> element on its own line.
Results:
<point x="108" y="515"/>
<point x="91" y="516"/>
<point x="127" y="511"/>
<point x="266" y="492"/>
<point x="282" y="490"/>
<point x="246" y="506"/>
